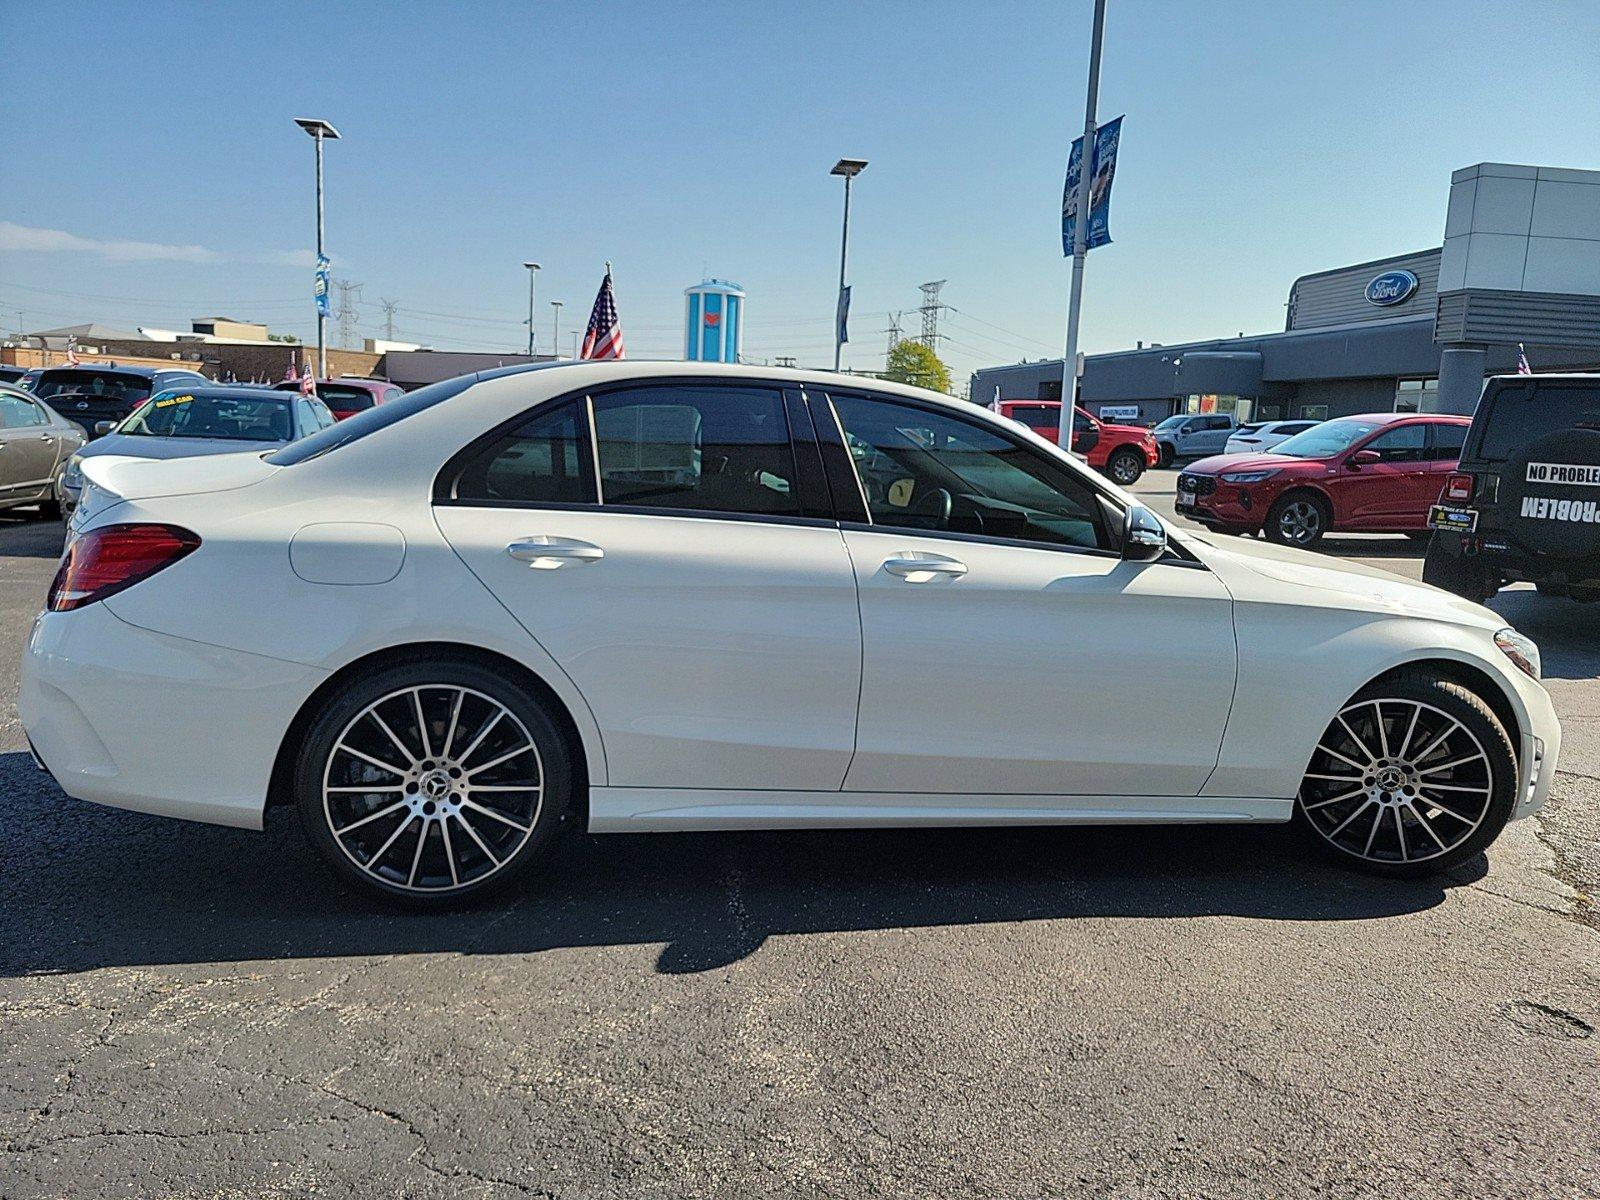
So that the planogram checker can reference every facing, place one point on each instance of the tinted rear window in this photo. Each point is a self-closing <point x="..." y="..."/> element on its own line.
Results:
<point x="373" y="419"/>
<point x="344" y="397"/>
<point x="1519" y="415"/>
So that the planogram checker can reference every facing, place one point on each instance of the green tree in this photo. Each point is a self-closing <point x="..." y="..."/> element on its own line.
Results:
<point x="913" y="363"/>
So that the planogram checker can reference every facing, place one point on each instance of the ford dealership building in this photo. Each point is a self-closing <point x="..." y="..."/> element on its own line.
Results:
<point x="1520" y="263"/>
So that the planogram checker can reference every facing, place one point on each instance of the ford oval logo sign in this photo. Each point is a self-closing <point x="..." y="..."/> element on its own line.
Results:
<point x="1392" y="287"/>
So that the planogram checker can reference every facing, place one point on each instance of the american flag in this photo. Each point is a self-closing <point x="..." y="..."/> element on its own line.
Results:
<point x="308" y="382"/>
<point x="1522" y="361"/>
<point x="603" y="338"/>
<point x="291" y="374"/>
<point x="72" y="351"/>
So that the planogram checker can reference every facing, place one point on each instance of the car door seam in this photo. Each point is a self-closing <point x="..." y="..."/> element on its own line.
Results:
<point x="861" y="660"/>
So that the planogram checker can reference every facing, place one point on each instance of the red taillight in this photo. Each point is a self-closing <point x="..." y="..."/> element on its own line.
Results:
<point x="1458" y="487"/>
<point x="104" y="561"/>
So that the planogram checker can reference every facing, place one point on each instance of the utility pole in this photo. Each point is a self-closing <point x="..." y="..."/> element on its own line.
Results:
<point x="349" y="295"/>
<point x="533" y="273"/>
<point x="930" y="314"/>
<point x="894" y="330"/>
<point x="1080" y="234"/>
<point x="388" y="307"/>
<point x="555" y="329"/>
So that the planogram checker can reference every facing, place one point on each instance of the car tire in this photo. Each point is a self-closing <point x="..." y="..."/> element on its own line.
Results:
<point x="1298" y="519"/>
<point x="1455" y="572"/>
<point x="1125" y="467"/>
<point x="428" y="823"/>
<point x="1427" y="790"/>
<point x="1167" y="455"/>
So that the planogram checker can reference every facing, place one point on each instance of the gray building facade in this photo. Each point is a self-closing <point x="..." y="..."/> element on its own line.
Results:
<point x="1520" y="265"/>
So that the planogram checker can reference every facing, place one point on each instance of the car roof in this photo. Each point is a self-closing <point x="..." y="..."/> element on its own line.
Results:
<point x="1391" y="418"/>
<point x="223" y="391"/>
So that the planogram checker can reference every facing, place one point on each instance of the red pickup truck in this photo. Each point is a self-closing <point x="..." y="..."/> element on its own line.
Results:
<point x="1120" y="451"/>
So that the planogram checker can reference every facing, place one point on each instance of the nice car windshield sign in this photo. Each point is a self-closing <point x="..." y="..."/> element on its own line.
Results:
<point x="1391" y="287"/>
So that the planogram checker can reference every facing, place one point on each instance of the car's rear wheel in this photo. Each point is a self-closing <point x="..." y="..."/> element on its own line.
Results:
<point x="1298" y="519"/>
<point x="1125" y="467"/>
<point x="1414" y="775"/>
<point x="431" y="781"/>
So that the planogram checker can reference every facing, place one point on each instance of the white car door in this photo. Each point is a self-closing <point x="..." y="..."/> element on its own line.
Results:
<point x="1008" y="649"/>
<point x="705" y="606"/>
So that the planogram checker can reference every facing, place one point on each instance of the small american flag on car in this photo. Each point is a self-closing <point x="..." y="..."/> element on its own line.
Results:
<point x="603" y="338"/>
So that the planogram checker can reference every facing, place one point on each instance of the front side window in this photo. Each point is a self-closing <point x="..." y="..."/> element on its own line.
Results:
<point x="542" y="461"/>
<point x="1407" y="444"/>
<point x="697" y="449"/>
<point x="927" y="470"/>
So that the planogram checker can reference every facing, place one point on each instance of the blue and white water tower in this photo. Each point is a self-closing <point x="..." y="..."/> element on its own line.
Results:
<point x="713" y="321"/>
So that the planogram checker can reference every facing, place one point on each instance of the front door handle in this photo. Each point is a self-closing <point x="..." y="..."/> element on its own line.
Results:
<point x="545" y="553"/>
<point x="917" y="567"/>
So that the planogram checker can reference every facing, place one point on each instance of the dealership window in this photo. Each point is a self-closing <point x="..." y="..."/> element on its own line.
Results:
<point x="1239" y="406"/>
<point x="1416" y="396"/>
<point x="1313" y="412"/>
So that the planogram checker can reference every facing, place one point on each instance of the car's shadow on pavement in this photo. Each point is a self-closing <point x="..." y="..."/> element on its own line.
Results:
<point x="91" y="887"/>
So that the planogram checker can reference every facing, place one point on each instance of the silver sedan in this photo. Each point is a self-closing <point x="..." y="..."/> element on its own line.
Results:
<point x="35" y="444"/>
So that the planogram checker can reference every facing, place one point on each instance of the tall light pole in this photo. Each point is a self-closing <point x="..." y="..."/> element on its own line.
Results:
<point x="533" y="272"/>
<point x="849" y="168"/>
<point x="319" y="130"/>
<point x="1080" y="234"/>
<point x="555" y="328"/>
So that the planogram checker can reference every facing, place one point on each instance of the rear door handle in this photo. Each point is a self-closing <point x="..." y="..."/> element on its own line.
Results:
<point x="917" y="567"/>
<point x="546" y="553"/>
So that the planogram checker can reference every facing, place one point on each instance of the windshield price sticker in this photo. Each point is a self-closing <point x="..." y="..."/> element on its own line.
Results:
<point x="1584" y="476"/>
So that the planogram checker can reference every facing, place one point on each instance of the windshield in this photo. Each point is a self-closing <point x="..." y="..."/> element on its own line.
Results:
<point x="1520" y="416"/>
<point x="373" y="419"/>
<point x="230" y="418"/>
<point x="1326" y="440"/>
<point x="1173" y="422"/>
<point x="75" y="381"/>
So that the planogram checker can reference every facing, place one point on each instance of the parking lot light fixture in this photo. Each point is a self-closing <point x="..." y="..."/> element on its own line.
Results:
<point x="849" y="168"/>
<point x="533" y="272"/>
<point x="319" y="130"/>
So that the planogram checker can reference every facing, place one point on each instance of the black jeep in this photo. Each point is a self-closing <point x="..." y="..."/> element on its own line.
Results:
<point x="1524" y="503"/>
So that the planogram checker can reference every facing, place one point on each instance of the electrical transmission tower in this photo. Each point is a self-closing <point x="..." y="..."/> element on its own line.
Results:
<point x="930" y="313"/>
<point x="388" y="307"/>
<point x="894" y="331"/>
<point x="349" y="297"/>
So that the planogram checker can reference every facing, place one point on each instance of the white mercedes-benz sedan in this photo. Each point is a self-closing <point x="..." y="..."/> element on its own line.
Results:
<point x="682" y="596"/>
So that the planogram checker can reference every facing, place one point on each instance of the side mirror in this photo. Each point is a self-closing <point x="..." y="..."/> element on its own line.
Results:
<point x="1364" y="458"/>
<point x="1144" y="537"/>
<point x="101" y="428"/>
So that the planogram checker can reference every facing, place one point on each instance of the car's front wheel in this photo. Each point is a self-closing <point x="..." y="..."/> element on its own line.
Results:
<point x="1298" y="519"/>
<point x="1125" y="466"/>
<point x="433" y="780"/>
<point x="1413" y="776"/>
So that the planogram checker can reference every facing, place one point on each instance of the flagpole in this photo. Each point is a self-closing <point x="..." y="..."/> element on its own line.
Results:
<point x="1080" y="235"/>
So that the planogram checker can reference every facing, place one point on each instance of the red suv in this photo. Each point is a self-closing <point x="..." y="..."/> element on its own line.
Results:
<point x="347" y="396"/>
<point x="1372" y="474"/>
<point x="1120" y="451"/>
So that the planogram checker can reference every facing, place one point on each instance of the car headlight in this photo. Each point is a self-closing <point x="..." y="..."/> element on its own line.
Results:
<point x="1248" y="476"/>
<point x="1520" y="650"/>
<point x="73" y="476"/>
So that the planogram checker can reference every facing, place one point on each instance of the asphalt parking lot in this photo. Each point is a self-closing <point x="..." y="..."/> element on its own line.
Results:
<point x="193" y="1011"/>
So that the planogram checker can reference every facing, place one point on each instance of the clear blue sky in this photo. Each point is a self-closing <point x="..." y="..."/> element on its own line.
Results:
<point x="1263" y="140"/>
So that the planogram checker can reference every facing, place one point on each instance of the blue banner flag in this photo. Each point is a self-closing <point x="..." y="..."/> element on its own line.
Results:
<point x="843" y="314"/>
<point x="1104" y="168"/>
<point x="319" y="289"/>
